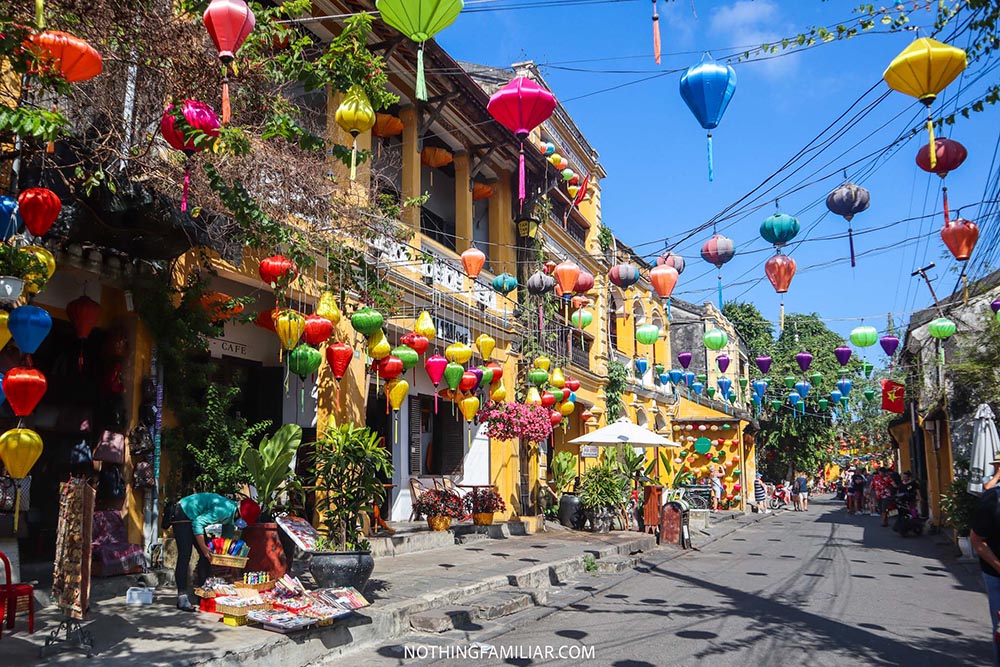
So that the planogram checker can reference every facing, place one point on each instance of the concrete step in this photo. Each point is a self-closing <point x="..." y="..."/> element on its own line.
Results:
<point x="441" y="620"/>
<point x="410" y="542"/>
<point x="615" y="564"/>
<point x="503" y="602"/>
<point x="470" y="538"/>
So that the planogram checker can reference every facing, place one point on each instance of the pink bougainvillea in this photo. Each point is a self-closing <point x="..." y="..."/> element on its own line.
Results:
<point x="510" y="421"/>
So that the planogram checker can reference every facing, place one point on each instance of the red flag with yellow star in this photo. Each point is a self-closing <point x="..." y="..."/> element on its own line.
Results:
<point x="892" y="396"/>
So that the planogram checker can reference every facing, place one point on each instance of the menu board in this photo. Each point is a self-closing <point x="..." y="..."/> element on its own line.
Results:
<point x="300" y="530"/>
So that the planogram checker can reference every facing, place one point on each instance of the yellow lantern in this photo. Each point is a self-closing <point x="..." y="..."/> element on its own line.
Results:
<point x="289" y="325"/>
<point x="469" y="407"/>
<point x="573" y="191"/>
<point x="557" y="379"/>
<point x="33" y="283"/>
<point x="396" y="390"/>
<point x="378" y="346"/>
<point x="425" y="325"/>
<point x="19" y="450"/>
<point x="355" y="115"/>
<point x="498" y="393"/>
<point x="327" y="307"/>
<point x="458" y="353"/>
<point x="543" y="363"/>
<point x="922" y="70"/>
<point x="566" y="408"/>
<point x="533" y="397"/>
<point x="486" y="344"/>
<point x="5" y="334"/>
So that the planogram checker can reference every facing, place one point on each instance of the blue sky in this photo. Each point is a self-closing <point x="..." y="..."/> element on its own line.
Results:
<point x="654" y="150"/>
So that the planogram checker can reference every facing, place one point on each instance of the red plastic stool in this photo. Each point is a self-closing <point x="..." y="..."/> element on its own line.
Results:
<point x="12" y="594"/>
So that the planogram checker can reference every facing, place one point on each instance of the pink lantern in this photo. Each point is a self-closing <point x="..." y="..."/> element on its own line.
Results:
<point x="200" y="119"/>
<point x="521" y="106"/>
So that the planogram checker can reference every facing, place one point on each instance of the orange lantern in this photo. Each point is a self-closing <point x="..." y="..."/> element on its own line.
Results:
<point x="482" y="191"/>
<point x="387" y="125"/>
<point x="473" y="259"/>
<point x="434" y="157"/>
<point x="780" y="270"/>
<point x="218" y="307"/>
<point x="566" y="274"/>
<point x="73" y="58"/>
<point x="663" y="278"/>
<point x="960" y="236"/>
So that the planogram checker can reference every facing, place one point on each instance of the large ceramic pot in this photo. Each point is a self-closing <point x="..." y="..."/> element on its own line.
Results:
<point x="600" y="520"/>
<point x="266" y="551"/>
<point x="337" y="569"/>
<point x="439" y="522"/>
<point x="482" y="518"/>
<point x="570" y="513"/>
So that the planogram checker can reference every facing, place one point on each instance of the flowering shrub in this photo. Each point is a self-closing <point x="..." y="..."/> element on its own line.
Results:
<point x="437" y="502"/>
<point x="484" y="500"/>
<point x="510" y="421"/>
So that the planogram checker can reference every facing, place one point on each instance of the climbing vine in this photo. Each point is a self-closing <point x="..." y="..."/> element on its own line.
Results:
<point x="614" y="389"/>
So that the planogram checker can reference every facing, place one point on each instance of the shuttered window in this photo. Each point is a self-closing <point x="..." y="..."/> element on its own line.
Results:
<point x="416" y="428"/>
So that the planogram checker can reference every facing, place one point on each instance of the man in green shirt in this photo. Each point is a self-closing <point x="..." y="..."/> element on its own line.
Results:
<point x="192" y="516"/>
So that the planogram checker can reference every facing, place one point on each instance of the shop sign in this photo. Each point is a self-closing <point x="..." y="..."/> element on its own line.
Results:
<point x="450" y="331"/>
<point x="219" y="347"/>
<point x="589" y="451"/>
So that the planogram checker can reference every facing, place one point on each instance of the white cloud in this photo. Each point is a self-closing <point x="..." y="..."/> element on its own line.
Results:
<point x="749" y="24"/>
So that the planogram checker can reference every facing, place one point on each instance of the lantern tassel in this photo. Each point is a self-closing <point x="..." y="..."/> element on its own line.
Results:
<point x="226" y="111"/>
<point x="668" y="309"/>
<point x="421" y="91"/>
<point x="931" y="146"/>
<point x="947" y="211"/>
<point x="435" y="399"/>
<point x="711" y="161"/>
<point x="850" y="239"/>
<point x="520" y="177"/>
<point x="656" y="34"/>
<point x="187" y="184"/>
<point x="354" y="159"/>
<point x="541" y="319"/>
<point x="720" y="290"/>
<point x="17" y="505"/>
<point x="39" y="22"/>
<point x="781" y="322"/>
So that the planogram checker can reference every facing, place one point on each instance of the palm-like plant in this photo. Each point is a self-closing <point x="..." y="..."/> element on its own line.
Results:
<point x="270" y="465"/>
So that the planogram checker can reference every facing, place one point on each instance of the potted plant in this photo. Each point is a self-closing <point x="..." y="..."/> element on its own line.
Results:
<point x="563" y="472"/>
<point x="958" y="507"/>
<point x="18" y="266"/>
<point x="482" y="503"/>
<point x="347" y="467"/>
<point x="269" y="466"/>
<point x="602" y="492"/>
<point x="440" y="507"/>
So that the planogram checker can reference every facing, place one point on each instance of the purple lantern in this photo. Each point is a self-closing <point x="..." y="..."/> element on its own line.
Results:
<point x="723" y="361"/>
<point x="764" y="363"/>
<point x="478" y="372"/>
<point x="889" y="344"/>
<point x="995" y="305"/>
<point x="684" y="358"/>
<point x="804" y="359"/>
<point x="843" y="354"/>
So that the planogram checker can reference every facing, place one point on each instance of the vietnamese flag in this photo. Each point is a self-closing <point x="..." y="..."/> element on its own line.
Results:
<point x="892" y="396"/>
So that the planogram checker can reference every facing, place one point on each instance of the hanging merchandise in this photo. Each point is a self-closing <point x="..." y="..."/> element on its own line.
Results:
<point x="533" y="396"/>
<point x="844" y="386"/>
<point x="424" y="325"/>
<point x="317" y="330"/>
<point x="407" y="355"/>
<point x="567" y="408"/>
<point x="869" y="394"/>
<point x="941" y="328"/>
<point x="20" y="449"/>
<point x="538" y="377"/>
<point x="504" y="284"/>
<point x="521" y="106"/>
<point x="922" y="70"/>
<point x="823" y="403"/>
<point x="415" y="342"/>
<point x="435" y="366"/>
<point x="572" y="384"/>
<point x="485" y="376"/>
<point x="198" y="121"/>
<point x="498" y="393"/>
<point x="663" y="278"/>
<point x="38" y="208"/>
<point x="83" y="313"/>
<point x="960" y="236"/>
<point x="867" y="368"/>
<point x="265" y="320"/>
<point x="395" y="393"/>
<point x="289" y="325"/>
<point x="355" y="115"/>
<point x="717" y="251"/>
<point x="815" y="378"/>
<point x="469" y="407"/>
<point x="542" y="362"/>
<point x="366" y="321"/>
<point x="779" y="229"/>
<point x="566" y="274"/>
<point x="647" y="334"/>
<point x="624" y="275"/>
<point x="29" y="325"/>
<point x="864" y="336"/>
<point x="277" y="271"/>
<point x="497" y="372"/>
<point x="725" y="384"/>
<point x="547" y="148"/>
<point x="763" y="362"/>
<point x="557" y="379"/>
<point x="459" y="353"/>
<point x="673" y="260"/>
<point x="715" y="339"/>
<point x="707" y="89"/>
<point x="540" y="283"/>
<point x="387" y="125"/>
<point x="419" y="20"/>
<point x="789" y="381"/>
<point x="388" y="367"/>
<point x="24" y="387"/>
<point x="581" y="319"/>
<point x="847" y="201"/>
<point x="889" y="344"/>
<point x="804" y="360"/>
<point x="640" y="365"/>
<point x="473" y="260"/>
<point x="219" y="307"/>
<point x="468" y="382"/>
<point x="436" y="157"/>
<point x="378" y="346"/>
<point x="5" y="334"/>
<point x="71" y="57"/>
<point x="453" y="373"/>
<point x="802" y="387"/>
<point x="684" y="359"/>
<point x="843" y="354"/>
<point x="229" y="23"/>
<point x="339" y="356"/>
<point x="10" y="219"/>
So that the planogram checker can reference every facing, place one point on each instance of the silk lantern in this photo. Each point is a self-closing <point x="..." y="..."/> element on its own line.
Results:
<point x="10" y="219"/>
<point x="717" y="251"/>
<point x="289" y="325"/>
<point x="949" y="155"/>
<point x="581" y="319"/>
<point x="847" y="201"/>
<point x="843" y="354"/>
<point x="219" y="307"/>
<point x="29" y="325"/>
<point x="521" y="106"/>
<point x="304" y="360"/>
<point x="83" y="313"/>
<point x="389" y="367"/>
<point x="277" y="271"/>
<point x="459" y="353"/>
<point x="64" y="54"/>
<point x="339" y="356"/>
<point x="941" y="328"/>
<point x="5" y="334"/>
<point x="864" y="336"/>
<point x="922" y="70"/>
<point x="647" y="334"/>
<point x="424" y="325"/>
<point x="663" y="278"/>
<point x="265" y="320"/>
<point x="715" y="339"/>
<point x="378" y="346"/>
<point x="36" y="280"/>
<point x="557" y="379"/>
<point x="366" y="321"/>
<point x="24" y="387"/>
<point x="387" y="125"/>
<point x="415" y="341"/>
<point x="473" y="260"/>
<point x="624" y="275"/>
<point x="707" y="88"/>
<point x="19" y="451"/>
<point x="672" y="259"/>
<point x="960" y="236"/>
<point x="584" y="282"/>
<point x="198" y="121"/>
<point x="435" y="366"/>
<point x="317" y="329"/>
<point x="229" y="23"/>
<point x="889" y="343"/>
<point x="395" y="393"/>
<point x="355" y="115"/>
<point x="39" y="208"/>
<point x="419" y="20"/>
<point x="486" y="345"/>
<point x="498" y="393"/>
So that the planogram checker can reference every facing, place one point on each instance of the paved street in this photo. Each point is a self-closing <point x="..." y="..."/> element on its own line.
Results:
<point x="789" y="590"/>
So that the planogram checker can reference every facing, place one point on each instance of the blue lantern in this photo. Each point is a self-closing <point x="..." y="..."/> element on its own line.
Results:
<point x="755" y="399"/>
<point x="676" y="376"/>
<point x="845" y="386"/>
<point x="794" y="399"/>
<point x="707" y="89"/>
<point x="29" y="325"/>
<point x="689" y="378"/>
<point x="641" y="364"/>
<point x="779" y="229"/>
<point x="664" y="378"/>
<point x="835" y="396"/>
<point x="803" y="388"/>
<point x="572" y="397"/>
<point x="724" y="385"/>
<point x="10" y="219"/>
<point x="3" y="397"/>
<point x="759" y="387"/>
<point x="696" y="387"/>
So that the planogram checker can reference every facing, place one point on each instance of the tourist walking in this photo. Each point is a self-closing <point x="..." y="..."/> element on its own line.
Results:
<point x="856" y="492"/>
<point x="802" y="487"/>
<point x="715" y="478"/>
<point x="884" y="489"/>
<point x="985" y="539"/>
<point x="760" y="494"/>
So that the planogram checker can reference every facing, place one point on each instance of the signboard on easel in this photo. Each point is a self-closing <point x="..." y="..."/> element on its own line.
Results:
<point x="589" y="451"/>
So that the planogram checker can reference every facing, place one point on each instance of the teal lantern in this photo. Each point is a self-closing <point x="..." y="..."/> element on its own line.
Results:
<point x="715" y="339"/>
<point x="779" y="229"/>
<point x="941" y="328"/>
<point x="647" y="334"/>
<point x="505" y="283"/>
<point x="864" y="336"/>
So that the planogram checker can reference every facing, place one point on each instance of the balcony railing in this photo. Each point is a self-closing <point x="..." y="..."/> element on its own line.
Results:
<point x="571" y="344"/>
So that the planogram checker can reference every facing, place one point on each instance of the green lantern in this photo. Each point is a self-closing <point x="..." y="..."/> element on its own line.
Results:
<point x="304" y="360"/>
<point x="703" y="445"/>
<point x="367" y="321"/>
<point x="864" y="336"/>
<point x="715" y="339"/>
<point x="942" y="328"/>
<point x="790" y="381"/>
<point x="647" y="334"/>
<point x="453" y="374"/>
<point x="869" y="394"/>
<point x="779" y="229"/>
<point x="407" y="355"/>
<point x="701" y="377"/>
<point x="660" y="369"/>
<point x="711" y="392"/>
<point x="582" y="315"/>
<point x="776" y="404"/>
<point x="487" y="377"/>
<point x="538" y="376"/>
<point x="867" y="368"/>
<point x="419" y="20"/>
<point x="815" y="378"/>
<point x="823" y="404"/>
<point x="743" y="383"/>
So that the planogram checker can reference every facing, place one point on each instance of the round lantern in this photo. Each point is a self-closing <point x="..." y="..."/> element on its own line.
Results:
<point x="566" y="274"/>
<point x="277" y="271"/>
<point x="459" y="353"/>
<point x="39" y="208"/>
<point x="715" y="339"/>
<point x="366" y="321"/>
<point x="198" y="117"/>
<point x="647" y="334"/>
<point x="864" y="336"/>
<point x="581" y="319"/>
<point x="847" y="201"/>
<point x="540" y="283"/>
<point x="673" y="260"/>
<point x="941" y="328"/>
<point x="29" y="325"/>
<point x="779" y="229"/>
<point x="584" y="282"/>
<point x="780" y="270"/>
<point x="355" y="115"/>
<point x="663" y="278"/>
<point x="304" y="360"/>
<point x="960" y="236"/>
<point x="473" y="260"/>
<point x="407" y="355"/>
<point x="624" y="275"/>
<point x="317" y="330"/>
<point x="289" y="325"/>
<point x="949" y="155"/>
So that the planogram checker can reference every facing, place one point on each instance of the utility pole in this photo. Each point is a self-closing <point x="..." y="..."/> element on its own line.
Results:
<point x="922" y="272"/>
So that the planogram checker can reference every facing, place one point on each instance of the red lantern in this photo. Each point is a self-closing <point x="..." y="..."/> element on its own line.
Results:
<point x="277" y="270"/>
<point x="339" y="356"/>
<point x="566" y="274"/>
<point x="566" y="391"/>
<point x="317" y="330"/>
<point x="555" y="418"/>
<point x="780" y="270"/>
<point x="960" y="236"/>
<point x="549" y="267"/>
<point x="497" y="371"/>
<point x="39" y="207"/>
<point x="548" y="399"/>
<point x="265" y="320"/>
<point x="473" y="259"/>
<point x="72" y="57"/>
<point x="950" y="156"/>
<point x="468" y="381"/>
<point x="83" y="313"/>
<point x="521" y="106"/>
<point x="24" y="388"/>
<point x="415" y="342"/>
<point x="579" y="301"/>
<point x="572" y="384"/>
<point x="388" y="368"/>
<point x="201" y="120"/>
<point x="584" y="282"/>
<point x="663" y="278"/>
<point x="228" y="22"/>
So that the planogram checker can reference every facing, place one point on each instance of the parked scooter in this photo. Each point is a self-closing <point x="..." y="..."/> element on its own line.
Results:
<point x="908" y="519"/>
<point x="782" y="496"/>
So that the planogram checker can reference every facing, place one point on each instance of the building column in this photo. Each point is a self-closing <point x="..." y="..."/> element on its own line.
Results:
<point x="463" y="202"/>
<point x="410" y="177"/>
<point x="503" y="241"/>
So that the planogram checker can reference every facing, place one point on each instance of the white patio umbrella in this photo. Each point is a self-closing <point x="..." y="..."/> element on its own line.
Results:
<point x="985" y="445"/>
<point x="624" y="432"/>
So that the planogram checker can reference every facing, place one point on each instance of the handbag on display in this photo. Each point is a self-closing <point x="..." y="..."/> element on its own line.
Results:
<point x="140" y="441"/>
<point x="81" y="456"/>
<point x="8" y="493"/>
<point x="112" y="483"/>
<point x="110" y="448"/>
<point x="142" y="475"/>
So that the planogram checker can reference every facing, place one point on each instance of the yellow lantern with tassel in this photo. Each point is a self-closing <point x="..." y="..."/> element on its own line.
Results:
<point x="327" y="307"/>
<point x="34" y="282"/>
<point x="566" y="408"/>
<point x="5" y="334"/>
<point x="486" y="345"/>
<point x="19" y="450"/>
<point x="469" y="407"/>
<point x="543" y="363"/>
<point x="922" y="70"/>
<point x="378" y="346"/>
<point x="533" y="397"/>
<point x="458" y="353"/>
<point x="355" y="115"/>
<point x="289" y="325"/>
<point x="556" y="378"/>
<point x="425" y="325"/>
<point x="396" y="391"/>
<point x="498" y="394"/>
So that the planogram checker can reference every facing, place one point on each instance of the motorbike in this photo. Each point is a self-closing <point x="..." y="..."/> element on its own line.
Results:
<point x="782" y="496"/>
<point x="908" y="519"/>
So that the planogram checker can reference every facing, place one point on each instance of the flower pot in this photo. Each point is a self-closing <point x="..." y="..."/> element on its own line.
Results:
<point x="10" y="289"/>
<point x="965" y="546"/>
<point x="337" y="569"/>
<point x="570" y="513"/>
<point x="439" y="522"/>
<point x="267" y="554"/>
<point x="600" y="520"/>
<point x="482" y="518"/>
